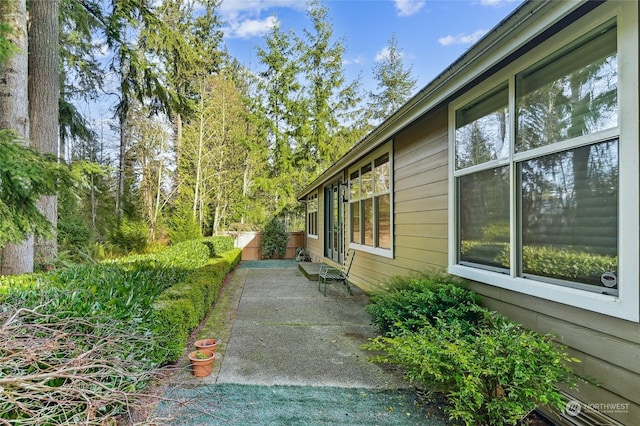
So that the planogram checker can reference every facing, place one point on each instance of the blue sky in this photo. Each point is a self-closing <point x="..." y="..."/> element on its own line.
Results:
<point x="430" y="34"/>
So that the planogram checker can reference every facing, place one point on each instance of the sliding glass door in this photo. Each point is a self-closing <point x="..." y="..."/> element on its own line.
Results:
<point x="334" y="223"/>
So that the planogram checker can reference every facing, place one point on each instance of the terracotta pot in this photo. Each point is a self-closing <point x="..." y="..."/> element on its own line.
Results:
<point x="201" y="367"/>
<point x="207" y="344"/>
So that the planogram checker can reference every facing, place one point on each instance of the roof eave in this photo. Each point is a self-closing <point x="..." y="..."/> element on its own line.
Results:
<point x="441" y="86"/>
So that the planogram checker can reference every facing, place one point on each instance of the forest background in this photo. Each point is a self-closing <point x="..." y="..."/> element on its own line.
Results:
<point x="205" y="145"/>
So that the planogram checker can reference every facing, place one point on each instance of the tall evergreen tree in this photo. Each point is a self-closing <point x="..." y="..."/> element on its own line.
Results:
<point x="139" y="77"/>
<point x="81" y="76"/>
<point x="17" y="257"/>
<point x="44" y="94"/>
<point x="280" y="86"/>
<point x="187" y="44"/>
<point x="330" y="99"/>
<point x="395" y="84"/>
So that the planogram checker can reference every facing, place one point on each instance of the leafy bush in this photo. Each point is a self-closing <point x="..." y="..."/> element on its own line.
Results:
<point x="219" y="244"/>
<point x="495" y="375"/>
<point x="183" y="227"/>
<point x="492" y="371"/>
<point x="99" y="321"/>
<point x="130" y="236"/>
<point x="179" y="309"/>
<point x="274" y="239"/>
<point x="412" y="303"/>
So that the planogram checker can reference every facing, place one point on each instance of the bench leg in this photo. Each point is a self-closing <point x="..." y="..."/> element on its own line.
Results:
<point x="346" y="283"/>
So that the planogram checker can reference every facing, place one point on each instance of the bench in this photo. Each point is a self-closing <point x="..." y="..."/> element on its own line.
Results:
<point x="328" y="273"/>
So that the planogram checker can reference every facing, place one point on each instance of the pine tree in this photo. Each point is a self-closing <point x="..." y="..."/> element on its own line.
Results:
<point x="17" y="257"/>
<point x="327" y="108"/>
<point x="395" y="84"/>
<point x="279" y="84"/>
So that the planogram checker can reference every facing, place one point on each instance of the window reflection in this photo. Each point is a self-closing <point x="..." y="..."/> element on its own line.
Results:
<point x="572" y="94"/>
<point x="570" y="214"/>
<point x="383" y="212"/>
<point x="484" y="218"/>
<point x="482" y="131"/>
<point x="355" y="222"/>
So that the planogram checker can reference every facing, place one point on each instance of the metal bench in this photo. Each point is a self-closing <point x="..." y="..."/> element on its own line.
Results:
<point x="328" y="273"/>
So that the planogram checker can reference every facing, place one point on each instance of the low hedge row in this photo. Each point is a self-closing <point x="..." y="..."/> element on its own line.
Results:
<point x="180" y="308"/>
<point x="101" y="322"/>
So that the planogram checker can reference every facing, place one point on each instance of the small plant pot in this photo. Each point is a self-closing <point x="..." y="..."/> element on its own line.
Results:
<point x="201" y="361"/>
<point x="207" y="345"/>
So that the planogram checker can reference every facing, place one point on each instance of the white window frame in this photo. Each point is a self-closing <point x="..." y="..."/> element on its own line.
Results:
<point x="626" y="304"/>
<point x="310" y="197"/>
<point x="370" y="159"/>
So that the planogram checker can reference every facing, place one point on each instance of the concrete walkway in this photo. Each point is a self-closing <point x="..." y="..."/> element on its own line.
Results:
<point x="287" y="350"/>
<point x="283" y="331"/>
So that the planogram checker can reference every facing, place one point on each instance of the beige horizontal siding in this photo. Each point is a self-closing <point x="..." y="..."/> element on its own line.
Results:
<point x="608" y="347"/>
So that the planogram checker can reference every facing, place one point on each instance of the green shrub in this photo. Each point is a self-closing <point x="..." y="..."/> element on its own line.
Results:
<point x="183" y="227"/>
<point x="412" y="303"/>
<point x="495" y="375"/>
<point x="179" y="309"/>
<point x="139" y="309"/>
<point x="219" y="244"/>
<point x="274" y="239"/>
<point x="129" y="236"/>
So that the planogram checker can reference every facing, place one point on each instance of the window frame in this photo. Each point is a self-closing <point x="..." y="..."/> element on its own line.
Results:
<point x="310" y="198"/>
<point x="370" y="160"/>
<point x="625" y="305"/>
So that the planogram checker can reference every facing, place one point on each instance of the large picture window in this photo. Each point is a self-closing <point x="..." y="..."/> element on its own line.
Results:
<point x="370" y="204"/>
<point x="536" y="180"/>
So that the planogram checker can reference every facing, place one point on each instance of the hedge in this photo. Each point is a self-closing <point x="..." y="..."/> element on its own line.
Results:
<point x="180" y="308"/>
<point x="101" y="320"/>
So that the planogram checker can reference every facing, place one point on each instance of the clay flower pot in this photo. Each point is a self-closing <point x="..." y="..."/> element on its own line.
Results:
<point x="201" y="361"/>
<point x="207" y="344"/>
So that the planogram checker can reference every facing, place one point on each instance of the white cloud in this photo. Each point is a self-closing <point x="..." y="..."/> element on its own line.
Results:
<point x="495" y="3"/>
<point x="408" y="7"/>
<point x="243" y="16"/>
<point x="382" y="55"/>
<point x="254" y="7"/>
<point x="248" y="28"/>
<point x="360" y="59"/>
<point x="462" y="38"/>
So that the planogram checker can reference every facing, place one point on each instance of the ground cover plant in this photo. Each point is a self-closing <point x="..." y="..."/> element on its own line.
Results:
<point x="491" y="370"/>
<point x="79" y="344"/>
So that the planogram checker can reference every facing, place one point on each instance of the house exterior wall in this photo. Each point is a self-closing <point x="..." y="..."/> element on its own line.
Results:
<point x="608" y="347"/>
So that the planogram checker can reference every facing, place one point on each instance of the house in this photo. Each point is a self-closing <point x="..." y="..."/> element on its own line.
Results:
<point x="516" y="168"/>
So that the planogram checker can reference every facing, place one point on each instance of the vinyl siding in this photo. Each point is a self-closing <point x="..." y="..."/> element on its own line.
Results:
<point x="608" y="347"/>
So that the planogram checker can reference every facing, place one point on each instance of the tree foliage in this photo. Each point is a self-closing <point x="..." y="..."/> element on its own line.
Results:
<point x="395" y="84"/>
<point x="25" y="175"/>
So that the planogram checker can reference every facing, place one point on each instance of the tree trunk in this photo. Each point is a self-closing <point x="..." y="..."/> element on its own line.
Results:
<point x="121" y="166"/>
<point x="14" y="114"/>
<point x="44" y="93"/>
